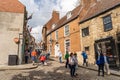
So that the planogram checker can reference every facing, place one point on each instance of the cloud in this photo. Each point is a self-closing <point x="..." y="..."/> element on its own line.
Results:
<point x="42" y="9"/>
<point x="36" y="33"/>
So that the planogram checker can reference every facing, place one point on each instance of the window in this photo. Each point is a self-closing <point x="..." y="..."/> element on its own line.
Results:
<point x="67" y="45"/>
<point x="56" y="35"/>
<point x="87" y="48"/>
<point x="66" y="30"/>
<point x="85" y="32"/>
<point x="69" y="14"/>
<point x="107" y="23"/>
<point x="50" y="38"/>
<point x="53" y="26"/>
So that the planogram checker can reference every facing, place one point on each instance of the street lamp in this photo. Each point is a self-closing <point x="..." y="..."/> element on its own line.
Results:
<point x="19" y="57"/>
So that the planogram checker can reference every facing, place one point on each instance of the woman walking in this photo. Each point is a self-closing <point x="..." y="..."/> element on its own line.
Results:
<point x="72" y="65"/>
<point x="100" y="64"/>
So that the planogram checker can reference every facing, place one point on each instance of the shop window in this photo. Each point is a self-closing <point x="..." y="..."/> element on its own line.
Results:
<point x="85" y="32"/>
<point x="107" y="23"/>
<point x="109" y="49"/>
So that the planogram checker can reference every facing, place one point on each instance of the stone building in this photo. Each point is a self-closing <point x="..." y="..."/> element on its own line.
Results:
<point x="93" y="25"/>
<point x="12" y="25"/>
<point x="100" y="29"/>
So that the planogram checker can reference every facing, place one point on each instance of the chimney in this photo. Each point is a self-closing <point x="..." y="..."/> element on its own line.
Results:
<point x="55" y="15"/>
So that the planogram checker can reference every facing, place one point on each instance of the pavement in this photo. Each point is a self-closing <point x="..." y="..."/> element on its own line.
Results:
<point x="95" y="68"/>
<point x="18" y="67"/>
<point x="30" y="66"/>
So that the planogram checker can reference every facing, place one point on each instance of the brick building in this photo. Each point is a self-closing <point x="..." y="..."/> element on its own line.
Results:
<point x="100" y="29"/>
<point x="12" y="26"/>
<point x="64" y="33"/>
<point x="93" y="25"/>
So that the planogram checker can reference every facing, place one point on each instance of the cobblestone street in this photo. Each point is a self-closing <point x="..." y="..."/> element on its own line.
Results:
<point x="53" y="71"/>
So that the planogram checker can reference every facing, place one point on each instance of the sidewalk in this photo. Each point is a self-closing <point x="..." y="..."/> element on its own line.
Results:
<point x="18" y="67"/>
<point x="95" y="68"/>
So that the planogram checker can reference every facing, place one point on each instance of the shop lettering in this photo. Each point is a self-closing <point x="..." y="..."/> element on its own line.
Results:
<point x="13" y="29"/>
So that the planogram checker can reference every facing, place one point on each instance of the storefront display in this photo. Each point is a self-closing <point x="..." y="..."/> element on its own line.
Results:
<point x="107" y="45"/>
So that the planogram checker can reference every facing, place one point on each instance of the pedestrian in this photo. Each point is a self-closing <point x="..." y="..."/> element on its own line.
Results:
<point x="67" y="59"/>
<point x="85" y="58"/>
<point x="100" y="63"/>
<point x="106" y="64"/>
<point x="72" y="65"/>
<point x="76" y="63"/>
<point x="42" y="59"/>
<point x="60" y="56"/>
<point x="34" y="56"/>
<point x="26" y="55"/>
<point x="48" y="55"/>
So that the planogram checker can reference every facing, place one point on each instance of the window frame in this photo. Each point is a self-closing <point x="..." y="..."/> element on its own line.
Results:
<point x="106" y="23"/>
<point x="67" y="41"/>
<point x="56" y="34"/>
<point x="84" y="30"/>
<point x="68" y="31"/>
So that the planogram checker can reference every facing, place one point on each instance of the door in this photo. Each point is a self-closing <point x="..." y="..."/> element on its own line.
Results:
<point x="119" y="52"/>
<point x="57" y="48"/>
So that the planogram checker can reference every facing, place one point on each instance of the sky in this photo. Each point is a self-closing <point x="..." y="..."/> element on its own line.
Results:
<point x="42" y="11"/>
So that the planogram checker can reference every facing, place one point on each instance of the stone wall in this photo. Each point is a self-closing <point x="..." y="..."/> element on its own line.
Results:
<point x="96" y="31"/>
<point x="11" y="24"/>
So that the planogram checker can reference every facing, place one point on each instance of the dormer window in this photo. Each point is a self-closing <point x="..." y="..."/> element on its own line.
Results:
<point x="53" y="26"/>
<point x="69" y="14"/>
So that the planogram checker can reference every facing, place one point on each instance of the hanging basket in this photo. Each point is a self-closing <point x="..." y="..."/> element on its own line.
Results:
<point x="16" y="40"/>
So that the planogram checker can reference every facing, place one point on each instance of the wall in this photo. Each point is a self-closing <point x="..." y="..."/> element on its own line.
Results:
<point x="11" y="24"/>
<point x="74" y="38"/>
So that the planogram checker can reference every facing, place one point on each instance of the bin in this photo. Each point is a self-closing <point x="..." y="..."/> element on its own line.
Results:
<point x="13" y="60"/>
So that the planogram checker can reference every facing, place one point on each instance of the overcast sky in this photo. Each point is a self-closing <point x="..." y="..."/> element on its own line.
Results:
<point x="42" y="11"/>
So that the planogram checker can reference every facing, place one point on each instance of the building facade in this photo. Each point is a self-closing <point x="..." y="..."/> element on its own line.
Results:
<point x="64" y="35"/>
<point x="100" y="29"/>
<point x="12" y="23"/>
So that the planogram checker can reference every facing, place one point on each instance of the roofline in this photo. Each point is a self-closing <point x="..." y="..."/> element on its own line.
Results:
<point x="62" y="25"/>
<point x="99" y="13"/>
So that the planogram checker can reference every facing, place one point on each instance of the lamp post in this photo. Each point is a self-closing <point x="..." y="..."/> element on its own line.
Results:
<point x="18" y="53"/>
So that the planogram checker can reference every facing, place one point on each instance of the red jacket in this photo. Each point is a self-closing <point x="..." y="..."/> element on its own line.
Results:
<point x="42" y="58"/>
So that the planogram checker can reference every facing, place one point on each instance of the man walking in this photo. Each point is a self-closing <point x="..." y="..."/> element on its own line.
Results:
<point x="85" y="57"/>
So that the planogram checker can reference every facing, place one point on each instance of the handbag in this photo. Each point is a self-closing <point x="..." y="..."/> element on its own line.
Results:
<point x="98" y="62"/>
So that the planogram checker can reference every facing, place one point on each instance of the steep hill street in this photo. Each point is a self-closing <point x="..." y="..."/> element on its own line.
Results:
<point x="53" y="71"/>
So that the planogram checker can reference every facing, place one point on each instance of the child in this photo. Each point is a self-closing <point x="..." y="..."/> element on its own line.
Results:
<point x="42" y="59"/>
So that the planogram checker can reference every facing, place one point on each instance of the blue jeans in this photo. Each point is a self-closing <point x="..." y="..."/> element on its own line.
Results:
<point x="60" y="59"/>
<point x="72" y="70"/>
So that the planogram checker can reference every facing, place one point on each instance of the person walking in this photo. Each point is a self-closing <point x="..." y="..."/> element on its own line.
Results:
<point x="106" y="64"/>
<point x="26" y="55"/>
<point x="85" y="57"/>
<point x="60" y="56"/>
<point x="67" y="59"/>
<point x="100" y="63"/>
<point x="76" y="63"/>
<point x="34" y="56"/>
<point x="72" y="65"/>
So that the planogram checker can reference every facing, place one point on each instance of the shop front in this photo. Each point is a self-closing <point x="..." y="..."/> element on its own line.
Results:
<point x="107" y="45"/>
<point x="118" y="47"/>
